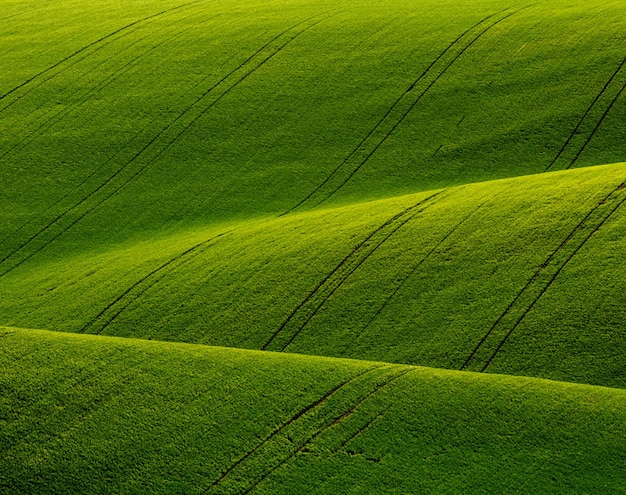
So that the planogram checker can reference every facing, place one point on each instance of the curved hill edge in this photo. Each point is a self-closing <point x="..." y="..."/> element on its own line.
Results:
<point x="102" y="413"/>
<point x="520" y="276"/>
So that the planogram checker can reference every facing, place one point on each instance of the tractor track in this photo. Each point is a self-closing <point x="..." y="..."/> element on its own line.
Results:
<point x="542" y="279"/>
<point x="97" y="44"/>
<point x="370" y="144"/>
<point x="310" y="407"/>
<point x="583" y="118"/>
<point x="358" y="432"/>
<point x="415" y="268"/>
<point x="260" y="53"/>
<point x="86" y="96"/>
<point x="325" y="428"/>
<point x="310" y="305"/>
<point x="600" y="122"/>
<point x="146" y="282"/>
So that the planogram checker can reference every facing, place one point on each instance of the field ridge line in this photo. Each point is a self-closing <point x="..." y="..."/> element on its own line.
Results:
<point x="364" y="147"/>
<point x="155" y="138"/>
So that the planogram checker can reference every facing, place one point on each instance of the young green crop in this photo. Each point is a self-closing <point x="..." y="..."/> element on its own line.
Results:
<point x="483" y="277"/>
<point x="157" y="116"/>
<point x="86" y="414"/>
<point x="357" y="180"/>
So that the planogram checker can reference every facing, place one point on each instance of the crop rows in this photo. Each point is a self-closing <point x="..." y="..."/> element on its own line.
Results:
<point x="132" y="162"/>
<point x="298" y="434"/>
<point x="117" y="306"/>
<point x="585" y="130"/>
<point x="399" y="110"/>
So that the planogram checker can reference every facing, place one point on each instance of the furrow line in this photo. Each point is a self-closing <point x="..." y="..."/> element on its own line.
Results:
<point x="82" y="99"/>
<point x="308" y="408"/>
<point x="415" y="268"/>
<point x="584" y="117"/>
<point x="368" y="146"/>
<point x="150" y="279"/>
<point x="534" y="283"/>
<point x="552" y="279"/>
<point x="397" y="123"/>
<point x="595" y="129"/>
<point x="176" y="135"/>
<point x="59" y="202"/>
<point x="358" y="432"/>
<point x="354" y="257"/>
<point x="324" y="428"/>
<point x="97" y="45"/>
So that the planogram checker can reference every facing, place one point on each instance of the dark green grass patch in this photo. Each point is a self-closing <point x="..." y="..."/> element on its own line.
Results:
<point x="84" y="414"/>
<point x="158" y="116"/>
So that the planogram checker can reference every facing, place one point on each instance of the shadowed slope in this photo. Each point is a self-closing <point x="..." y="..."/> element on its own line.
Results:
<point x="479" y="277"/>
<point x="178" y="114"/>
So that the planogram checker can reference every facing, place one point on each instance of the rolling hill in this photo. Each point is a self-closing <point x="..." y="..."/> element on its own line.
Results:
<point x="380" y="245"/>
<point x="109" y="415"/>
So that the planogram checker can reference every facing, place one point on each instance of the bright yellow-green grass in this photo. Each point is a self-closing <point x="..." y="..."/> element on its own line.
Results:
<point x="519" y="276"/>
<point x="82" y="414"/>
<point x="424" y="183"/>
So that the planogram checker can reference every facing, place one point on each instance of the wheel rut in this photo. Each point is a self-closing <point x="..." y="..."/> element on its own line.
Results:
<point x="399" y="110"/>
<point x="135" y="162"/>
<point x="541" y="280"/>
<point x="300" y="432"/>
<point x="585" y="129"/>
<point x="304" y="312"/>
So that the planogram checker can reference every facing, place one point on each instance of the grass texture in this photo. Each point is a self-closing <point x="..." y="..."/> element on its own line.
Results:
<point x="87" y="414"/>
<point x="416" y="206"/>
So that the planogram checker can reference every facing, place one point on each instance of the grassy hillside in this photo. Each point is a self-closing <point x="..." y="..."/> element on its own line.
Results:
<point x="134" y="118"/>
<point x="408" y="202"/>
<point x="521" y="276"/>
<point x="85" y="414"/>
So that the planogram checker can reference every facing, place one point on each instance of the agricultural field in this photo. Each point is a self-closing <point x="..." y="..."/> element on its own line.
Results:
<point x="293" y="247"/>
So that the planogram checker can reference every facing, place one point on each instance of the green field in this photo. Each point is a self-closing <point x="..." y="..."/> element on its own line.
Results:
<point x="128" y="416"/>
<point x="424" y="193"/>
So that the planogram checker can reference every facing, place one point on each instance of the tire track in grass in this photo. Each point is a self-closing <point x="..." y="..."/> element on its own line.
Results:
<point x="312" y="421"/>
<point x="68" y="61"/>
<point x="595" y="129"/>
<point x="187" y="118"/>
<point x="358" y="432"/>
<point x="312" y="407"/>
<point x="115" y="308"/>
<point x="583" y="119"/>
<point x="87" y="379"/>
<point x="101" y="86"/>
<point x="396" y="114"/>
<point x="310" y="305"/>
<point x="80" y="100"/>
<point x="65" y="197"/>
<point x="490" y="344"/>
<point x="413" y="270"/>
<point x="337" y="420"/>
